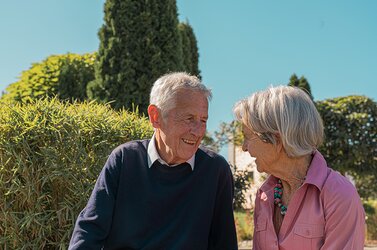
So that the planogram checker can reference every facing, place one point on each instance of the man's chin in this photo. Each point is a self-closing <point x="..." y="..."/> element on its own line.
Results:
<point x="188" y="155"/>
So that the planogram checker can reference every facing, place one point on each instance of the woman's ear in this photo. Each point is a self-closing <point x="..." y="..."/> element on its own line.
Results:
<point x="154" y="116"/>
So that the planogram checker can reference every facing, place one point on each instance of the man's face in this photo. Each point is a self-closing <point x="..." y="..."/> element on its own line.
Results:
<point x="182" y="127"/>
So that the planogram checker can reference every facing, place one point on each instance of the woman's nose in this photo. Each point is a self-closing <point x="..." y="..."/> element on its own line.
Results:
<point x="244" y="147"/>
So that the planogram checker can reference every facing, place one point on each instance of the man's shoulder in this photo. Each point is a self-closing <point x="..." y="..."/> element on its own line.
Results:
<point x="135" y="146"/>
<point x="130" y="152"/>
<point x="209" y="156"/>
<point x="207" y="152"/>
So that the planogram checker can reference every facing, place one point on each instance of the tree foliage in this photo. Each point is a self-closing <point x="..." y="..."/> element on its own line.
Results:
<point x="351" y="138"/>
<point x="229" y="132"/>
<point x="301" y="83"/>
<point x="242" y="182"/>
<point x="139" y="42"/>
<point x="65" y="76"/>
<point x="190" y="54"/>
<point x="210" y="142"/>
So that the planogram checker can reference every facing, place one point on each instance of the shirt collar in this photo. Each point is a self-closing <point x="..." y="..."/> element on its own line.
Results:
<point x="318" y="171"/>
<point x="154" y="156"/>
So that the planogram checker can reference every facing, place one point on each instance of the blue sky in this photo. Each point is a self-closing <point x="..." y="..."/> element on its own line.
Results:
<point x="244" y="45"/>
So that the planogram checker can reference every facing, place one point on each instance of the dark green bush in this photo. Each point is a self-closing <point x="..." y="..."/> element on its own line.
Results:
<point x="351" y="139"/>
<point x="242" y="182"/>
<point x="50" y="156"/>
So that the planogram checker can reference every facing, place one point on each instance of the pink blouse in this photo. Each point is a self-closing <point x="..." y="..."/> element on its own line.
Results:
<point x="324" y="213"/>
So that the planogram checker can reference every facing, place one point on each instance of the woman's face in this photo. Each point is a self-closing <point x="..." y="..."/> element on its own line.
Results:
<point x="266" y="153"/>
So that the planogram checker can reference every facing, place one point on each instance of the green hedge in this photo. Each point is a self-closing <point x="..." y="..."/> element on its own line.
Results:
<point x="50" y="156"/>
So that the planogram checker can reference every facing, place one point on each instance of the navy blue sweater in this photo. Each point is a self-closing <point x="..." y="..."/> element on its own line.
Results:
<point x="136" y="207"/>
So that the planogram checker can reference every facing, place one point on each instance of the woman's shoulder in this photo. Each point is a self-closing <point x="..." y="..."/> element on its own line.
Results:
<point x="338" y="188"/>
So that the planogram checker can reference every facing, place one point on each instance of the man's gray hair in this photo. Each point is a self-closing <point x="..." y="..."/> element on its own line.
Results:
<point x="285" y="111"/>
<point x="166" y="87"/>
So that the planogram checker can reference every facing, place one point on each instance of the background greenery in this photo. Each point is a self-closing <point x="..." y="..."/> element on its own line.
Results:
<point x="65" y="76"/>
<point x="50" y="156"/>
<point x="370" y="207"/>
<point x="244" y="224"/>
<point x="351" y="139"/>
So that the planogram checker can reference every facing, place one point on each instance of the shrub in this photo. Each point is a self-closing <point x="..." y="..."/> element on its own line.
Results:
<point x="350" y="139"/>
<point x="65" y="76"/>
<point x="242" y="182"/>
<point x="50" y="156"/>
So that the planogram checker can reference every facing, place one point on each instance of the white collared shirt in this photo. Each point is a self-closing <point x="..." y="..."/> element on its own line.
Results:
<point x="154" y="156"/>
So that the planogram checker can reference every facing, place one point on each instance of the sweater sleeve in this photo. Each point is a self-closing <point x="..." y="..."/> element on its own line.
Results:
<point x="345" y="218"/>
<point x="223" y="232"/>
<point x="94" y="222"/>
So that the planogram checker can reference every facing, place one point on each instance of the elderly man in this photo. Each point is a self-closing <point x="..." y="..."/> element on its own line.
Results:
<point x="163" y="193"/>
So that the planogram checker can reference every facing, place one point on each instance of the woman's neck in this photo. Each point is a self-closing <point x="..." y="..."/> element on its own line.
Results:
<point x="293" y="172"/>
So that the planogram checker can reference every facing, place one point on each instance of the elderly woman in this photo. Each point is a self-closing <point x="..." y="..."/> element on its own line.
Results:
<point x="303" y="204"/>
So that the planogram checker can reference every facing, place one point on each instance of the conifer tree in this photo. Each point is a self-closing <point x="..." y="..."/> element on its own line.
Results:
<point x="139" y="42"/>
<point x="189" y="49"/>
<point x="302" y="83"/>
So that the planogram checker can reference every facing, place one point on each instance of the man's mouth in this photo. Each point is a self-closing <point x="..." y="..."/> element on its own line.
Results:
<point x="190" y="142"/>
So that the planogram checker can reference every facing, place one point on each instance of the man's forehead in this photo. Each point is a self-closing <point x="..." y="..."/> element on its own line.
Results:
<point x="190" y="102"/>
<point x="190" y="112"/>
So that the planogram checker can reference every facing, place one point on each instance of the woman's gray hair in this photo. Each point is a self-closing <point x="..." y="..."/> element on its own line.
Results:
<point x="287" y="112"/>
<point x="166" y="87"/>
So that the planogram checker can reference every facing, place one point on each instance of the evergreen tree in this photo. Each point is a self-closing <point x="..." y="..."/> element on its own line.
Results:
<point x="302" y="83"/>
<point x="190" y="52"/>
<point x="139" y="42"/>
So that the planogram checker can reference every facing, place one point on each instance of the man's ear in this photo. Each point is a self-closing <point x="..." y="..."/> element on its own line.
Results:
<point x="154" y="116"/>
